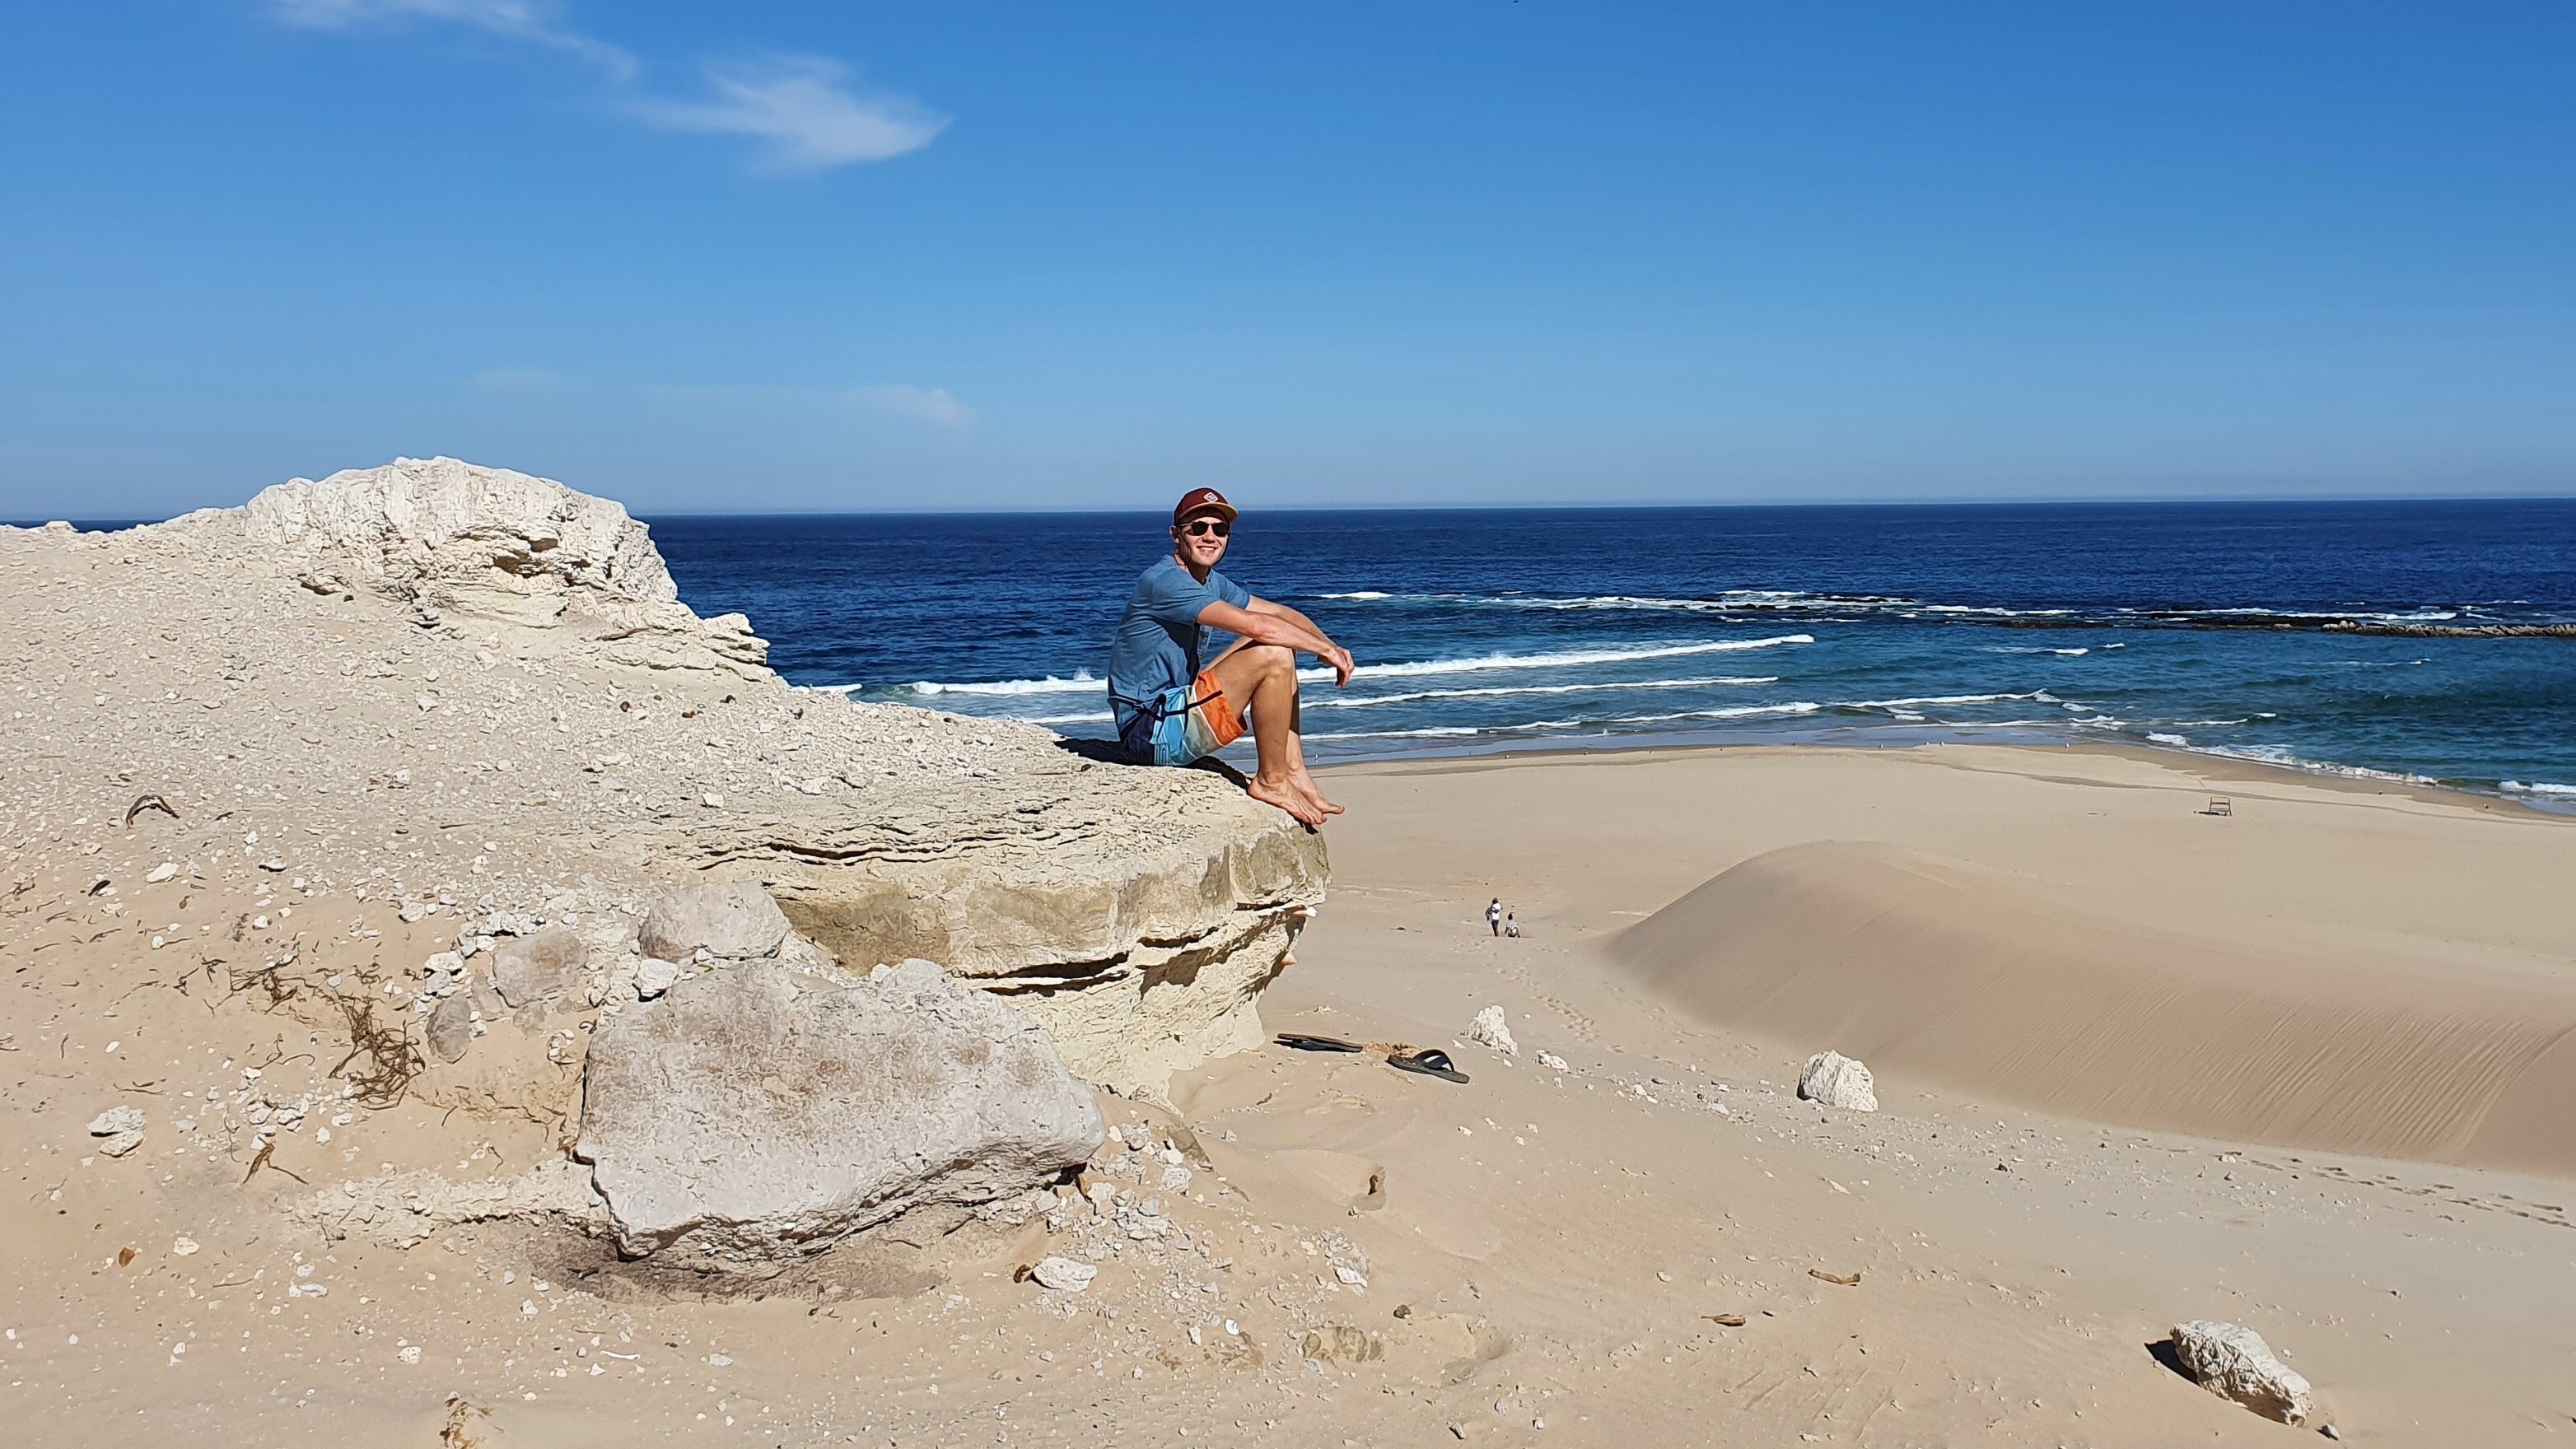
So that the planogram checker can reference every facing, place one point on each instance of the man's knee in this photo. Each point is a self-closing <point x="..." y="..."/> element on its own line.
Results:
<point x="1276" y="660"/>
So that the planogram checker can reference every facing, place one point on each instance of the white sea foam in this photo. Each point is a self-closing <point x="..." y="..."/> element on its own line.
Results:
<point x="1084" y="681"/>
<point x="1494" y="691"/>
<point x="1565" y="659"/>
<point x="1081" y="682"/>
<point x="1920" y="700"/>
<point x="1359" y="594"/>
<point x="2539" y="787"/>
<point x="2163" y="738"/>
<point x="1741" y="711"/>
<point x="1443" y="731"/>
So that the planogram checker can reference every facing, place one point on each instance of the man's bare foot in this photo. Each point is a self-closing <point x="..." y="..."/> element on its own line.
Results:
<point x="1314" y="794"/>
<point x="1287" y="797"/>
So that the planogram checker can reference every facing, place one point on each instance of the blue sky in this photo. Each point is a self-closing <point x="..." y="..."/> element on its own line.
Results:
<point x="841" y="256"/>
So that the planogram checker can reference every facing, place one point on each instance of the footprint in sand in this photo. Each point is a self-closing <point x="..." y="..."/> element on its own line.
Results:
<point x="1581" y="1027"/>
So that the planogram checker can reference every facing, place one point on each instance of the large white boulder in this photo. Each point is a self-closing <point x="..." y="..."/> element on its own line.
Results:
<point x="2234" y="1362"/>
<point x="442" y="519"/>
<point x="1836" y="1080"/>
<point x="447" y="537"/>
<point x="760" y="1112"/>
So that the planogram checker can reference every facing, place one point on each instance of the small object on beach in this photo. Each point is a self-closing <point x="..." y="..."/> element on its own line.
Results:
<point x="1490" y="1029"/>
<point x="1550" y="1059"/>
<point x="1428" y="1062"/>
<point x="1725" y="1320"/>
<point x="125" y="1257"/>
<point x="1838" y="1081"/>
<point x="2220" y="805"/>
<point x="161" y="872"/>
<point x="2331" y="1432"/>
<point x="119" y="1128"/>
<point x="148" y="801"/>
<point x="183" y="1247"/>
<point x="1848" y="1280"/>
<point x="1296" y="1041"/>
<point x="2235" y="1363"/>
<point x="1064" y="1275"/>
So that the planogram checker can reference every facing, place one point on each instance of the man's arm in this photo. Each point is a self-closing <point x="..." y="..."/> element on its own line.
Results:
<point x="1268" y="623"/>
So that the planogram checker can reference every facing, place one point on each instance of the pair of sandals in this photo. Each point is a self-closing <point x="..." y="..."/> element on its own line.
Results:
<point x="1429" y="1062"/>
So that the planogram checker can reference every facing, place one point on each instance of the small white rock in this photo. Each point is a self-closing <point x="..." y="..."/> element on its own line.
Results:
<point x="2235" y="1363"/>
<point x="1836" y="1080"/>
<point x="161" y="872"/>
<point x="183" y="1247"/>
<point x="654" y="977"/>
<point x="1489" y="1029"/>
<point x="119" y="1130"/>
<point x="1066" y="1275"/>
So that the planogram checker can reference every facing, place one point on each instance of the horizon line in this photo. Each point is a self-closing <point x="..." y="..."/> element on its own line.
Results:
<point x="1003" y="511"/>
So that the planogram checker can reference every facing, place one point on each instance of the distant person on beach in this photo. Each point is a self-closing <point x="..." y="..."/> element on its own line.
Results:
<point x="1494" y="915"/>
<point x="1171" y="709"/>
<point x="1511" y="925"/>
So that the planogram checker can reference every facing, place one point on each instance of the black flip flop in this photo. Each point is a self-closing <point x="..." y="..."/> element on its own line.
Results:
<point x="1315" y="1043"/>
<point x="1429" y="1062"/>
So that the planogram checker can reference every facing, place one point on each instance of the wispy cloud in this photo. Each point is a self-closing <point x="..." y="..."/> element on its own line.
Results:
<point x="802" y="111"/>
<point x="931" y="405"/>
<point x="521" y="20"/>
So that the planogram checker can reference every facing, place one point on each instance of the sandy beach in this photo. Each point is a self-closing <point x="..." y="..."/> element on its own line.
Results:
<point x="2298" y="1066"/>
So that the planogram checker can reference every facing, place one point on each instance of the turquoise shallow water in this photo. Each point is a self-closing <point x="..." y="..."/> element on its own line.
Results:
<point x="2267" y="631"/>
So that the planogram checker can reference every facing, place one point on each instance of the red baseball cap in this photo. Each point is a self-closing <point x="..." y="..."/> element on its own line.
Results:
<point x="1202" y="500"/>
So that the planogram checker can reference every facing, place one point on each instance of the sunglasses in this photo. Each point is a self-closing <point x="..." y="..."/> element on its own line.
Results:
<point x="1199" y="527"/>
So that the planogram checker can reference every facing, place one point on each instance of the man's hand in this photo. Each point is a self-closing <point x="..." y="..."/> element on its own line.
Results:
<point x="1343" y="664"/>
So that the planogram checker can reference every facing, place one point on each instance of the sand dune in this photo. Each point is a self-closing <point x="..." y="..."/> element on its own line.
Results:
<point x="1936" y="970"/>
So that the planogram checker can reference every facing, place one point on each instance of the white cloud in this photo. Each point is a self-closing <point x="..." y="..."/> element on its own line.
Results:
<point x="523" y="20"/>
<point x="800" y="108"/>
<point x="931" y="405"/>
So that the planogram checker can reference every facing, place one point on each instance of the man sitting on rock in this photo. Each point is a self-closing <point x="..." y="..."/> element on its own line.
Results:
<point x="1171" y="710"/>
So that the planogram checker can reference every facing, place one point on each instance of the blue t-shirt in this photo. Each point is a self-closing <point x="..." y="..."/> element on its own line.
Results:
<point x="1159" y="642"/>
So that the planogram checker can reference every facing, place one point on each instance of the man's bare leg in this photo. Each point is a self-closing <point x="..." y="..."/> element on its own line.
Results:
<point x="1297" y="771"/>
<point x="1260" y="682"/>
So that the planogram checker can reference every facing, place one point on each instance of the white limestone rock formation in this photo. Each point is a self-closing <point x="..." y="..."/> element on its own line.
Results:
<point x="446" y="537"/>
<point x="391" y="653"/>
<point x="2235" y="1363"/>
<point x="758" y="1112"/>
<point x="1835" y="1080"/>
<point x="1490" y="1029"/>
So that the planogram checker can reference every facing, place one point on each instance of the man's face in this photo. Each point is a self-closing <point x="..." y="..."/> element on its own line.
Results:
<point x="1202" y="537"/>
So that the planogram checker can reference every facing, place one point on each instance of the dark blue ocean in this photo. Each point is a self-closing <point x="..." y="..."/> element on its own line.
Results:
<point x="2245" y="629"/>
